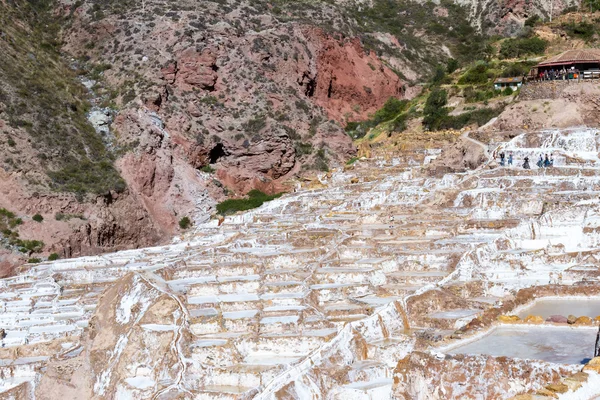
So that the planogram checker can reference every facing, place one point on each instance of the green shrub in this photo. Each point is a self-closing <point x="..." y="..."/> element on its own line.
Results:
<point x="435" y="109"/>
<point x="8" y="221"/>
<point x="255" y="125"/>
<point x="208" y="169"/>
<point x="30" y="246"/>
<point x="321" y="161"/>
<point x="53" y="257"/>
<point x="352" y="161"/>
<point x="399" y="123"/>
<point x="513" y="48"/>
<point x="516" y="69"/>
<point x="438" y="76"/>
<point x="508" y="91"/>
<point x="532" y="21"/>
<point x="477" y="74"/>
<point x="590" y="5"/>
<point x="391" y="110"/>
<point x="34" y="261"/>
<point x="254" y="199"/>
<point x="7" y="214"/>
<point x="185" y="223"/>
<point x="67" y="217"/>
<point x="479" y="117"/>
<point x="302" y="149"/>
<point x="37" y="218"/>
<point x="452" y="65"/>
<point x="84" y="176"/>
<point x="582" y="30"/>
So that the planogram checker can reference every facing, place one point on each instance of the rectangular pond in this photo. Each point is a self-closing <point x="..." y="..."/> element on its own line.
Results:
<point x="561" y="345"/>
<point x="589" y="307"/>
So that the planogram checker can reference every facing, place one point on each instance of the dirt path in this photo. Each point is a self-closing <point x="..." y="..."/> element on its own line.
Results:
<point x="477" y="142"/>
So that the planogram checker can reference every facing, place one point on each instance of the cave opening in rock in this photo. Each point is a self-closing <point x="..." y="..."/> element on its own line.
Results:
<point x="216" y="153"/>
<point x="311" y="84"/>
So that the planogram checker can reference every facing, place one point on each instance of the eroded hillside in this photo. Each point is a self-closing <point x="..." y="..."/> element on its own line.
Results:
<point x="121" y="118"/>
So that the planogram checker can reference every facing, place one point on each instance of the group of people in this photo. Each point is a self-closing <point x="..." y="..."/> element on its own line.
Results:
<point x="503" y="159"/>
<point x="543" y="162"/>
<point x="559" y="75"/>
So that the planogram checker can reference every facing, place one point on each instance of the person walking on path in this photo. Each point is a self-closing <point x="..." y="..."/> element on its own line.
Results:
<point x="546" y="162"/>
<point x="510" y="158"/>
<point x="526" y="163"/>
<point x="502" y="156"/>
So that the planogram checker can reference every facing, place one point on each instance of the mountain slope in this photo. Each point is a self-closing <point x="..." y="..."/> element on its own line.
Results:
<point x="127" y="116"/>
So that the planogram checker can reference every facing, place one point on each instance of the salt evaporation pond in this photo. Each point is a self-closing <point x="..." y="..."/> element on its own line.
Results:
<point x="561" y="345"/>
<point x="573" y="306"/>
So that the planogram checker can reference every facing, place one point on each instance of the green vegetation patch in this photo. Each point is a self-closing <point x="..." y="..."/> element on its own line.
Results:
<point x="8" y="224"/>
<point x="514" y="48"/>
<point x="479" y="117"/>
<point x="582" y="30"/>
<point x="352" y="161"/>
<point x="185" y="223"/>
<point x="255" y="199"/>
<point x="391" y="111"/>
<point x="436" y="114"/>
<point x="43" y="96"/>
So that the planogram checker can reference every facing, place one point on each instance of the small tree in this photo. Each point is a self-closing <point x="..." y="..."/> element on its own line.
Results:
<point x="53" y="257"/>
<point x="438" y="76"/>
<point x="185" y="223"/>
<point x="435" y="109"/>
<point x="452" y="65"/>
<point x="37" y="218"/>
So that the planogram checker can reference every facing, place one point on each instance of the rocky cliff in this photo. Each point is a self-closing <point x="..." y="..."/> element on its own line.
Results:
<point x="506" y="17"/>
<point x="118" y="118"/>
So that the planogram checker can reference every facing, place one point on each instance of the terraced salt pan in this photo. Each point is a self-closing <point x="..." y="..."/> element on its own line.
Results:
<point x="280" y="283"/>
<point x="561" y="345"/>
<point x="578" y="306"/>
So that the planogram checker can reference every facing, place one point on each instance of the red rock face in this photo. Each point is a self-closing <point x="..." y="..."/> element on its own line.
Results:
<point x="192" y="69"/>
<point x="350" y="83"/>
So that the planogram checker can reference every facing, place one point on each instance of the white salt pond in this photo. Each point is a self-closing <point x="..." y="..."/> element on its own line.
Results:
<point x="589" y="307"/>
<point x="454" y="314"/>
<point x="561" y="345"/>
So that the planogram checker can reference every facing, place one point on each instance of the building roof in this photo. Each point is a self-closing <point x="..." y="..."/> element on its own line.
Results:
<point x="516" y="79"/>
<point x="573" y="57"/>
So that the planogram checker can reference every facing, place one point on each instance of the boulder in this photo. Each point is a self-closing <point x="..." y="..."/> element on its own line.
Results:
<point x="583" y="321"/>
<point x="509" y="318"/>
<point x="534" y="319"/>
<point x="571" y="319"/>
<point x="557" y="319"/>
<point x="558" y="387"/>
<point x="593" y="365"/>
<point x="546" y="393"/>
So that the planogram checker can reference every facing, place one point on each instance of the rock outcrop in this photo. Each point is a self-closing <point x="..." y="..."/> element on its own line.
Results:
<point x="508" y="17"/>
